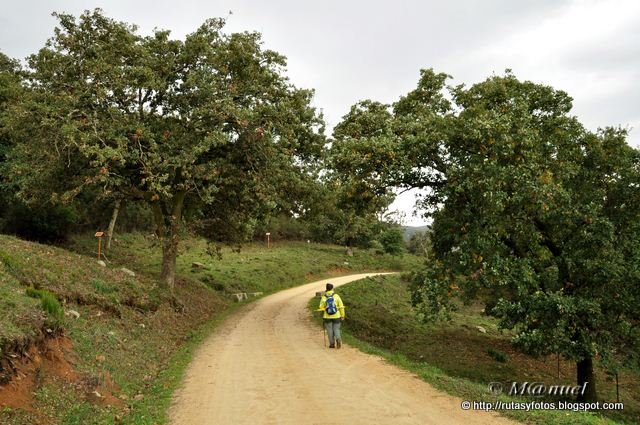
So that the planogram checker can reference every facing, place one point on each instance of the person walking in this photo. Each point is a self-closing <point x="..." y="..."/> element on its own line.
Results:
<point x="332" y="306"/>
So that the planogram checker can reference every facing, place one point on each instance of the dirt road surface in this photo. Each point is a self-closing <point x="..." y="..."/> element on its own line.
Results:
<point x="267" y="365"/>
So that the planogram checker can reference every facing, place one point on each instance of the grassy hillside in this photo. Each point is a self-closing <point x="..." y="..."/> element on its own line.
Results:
<point x="458" y="358"/>
<point x="120" y="349"/>
<point x="251" y="268"/>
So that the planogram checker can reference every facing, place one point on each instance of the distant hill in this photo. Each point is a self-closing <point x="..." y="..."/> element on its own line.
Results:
<point x="411" y="230"/>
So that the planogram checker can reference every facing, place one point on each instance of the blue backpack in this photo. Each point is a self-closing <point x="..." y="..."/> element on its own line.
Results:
<point x="331" y="305"/>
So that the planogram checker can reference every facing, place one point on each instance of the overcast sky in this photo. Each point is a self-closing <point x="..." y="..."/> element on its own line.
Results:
<point x="352" y="50"/>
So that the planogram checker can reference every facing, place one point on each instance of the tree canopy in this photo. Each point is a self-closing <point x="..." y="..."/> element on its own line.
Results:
<point x="357" y="163"/>
<point x="208" y="121"/>
<point x="532" y="213"/>
<point x="539" y="217"/>
<point x="10" y="90"/>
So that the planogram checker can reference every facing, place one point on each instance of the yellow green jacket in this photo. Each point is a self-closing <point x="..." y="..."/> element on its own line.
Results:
<point x="323" y="305"/>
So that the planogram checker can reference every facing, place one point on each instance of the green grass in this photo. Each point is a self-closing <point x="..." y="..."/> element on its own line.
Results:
<point x="49" y="303"/>
<point x="128" y="332"/>
<point x="14" y="303"/>
<point x="103" y="287"/>
<point x="457" y="358"/>
<point x="252" y="268"/>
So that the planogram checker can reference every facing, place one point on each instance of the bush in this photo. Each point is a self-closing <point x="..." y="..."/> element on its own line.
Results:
<point x="282" y="227"/>
<point x="392" y="240"/>
<point x="33" y="292"/>
<point x="420" y="243"/>
<point x="50" y="223"/>
<point x="377" y="246"/>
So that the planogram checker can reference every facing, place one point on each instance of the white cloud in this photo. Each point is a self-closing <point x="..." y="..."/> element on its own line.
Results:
<point x="590" y="49"/>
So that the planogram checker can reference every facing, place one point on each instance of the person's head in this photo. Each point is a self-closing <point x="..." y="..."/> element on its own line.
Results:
<point x="329" y="286"/>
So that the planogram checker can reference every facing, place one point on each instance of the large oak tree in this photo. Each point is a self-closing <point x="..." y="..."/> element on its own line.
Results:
<point x="180" y="124"/>
<point x="532" y="213"/>
<point x="540" y="217"/>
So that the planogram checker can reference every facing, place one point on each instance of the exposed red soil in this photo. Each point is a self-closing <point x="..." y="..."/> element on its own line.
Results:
<point x="46" y="359"/>
<point x="52" y="359"/>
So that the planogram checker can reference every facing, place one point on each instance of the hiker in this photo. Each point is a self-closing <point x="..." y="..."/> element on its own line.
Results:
<point x="333" y="308"/>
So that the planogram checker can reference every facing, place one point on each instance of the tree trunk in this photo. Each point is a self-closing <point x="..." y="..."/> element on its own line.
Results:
<point x="112" y="223"/>
<point x="169" y="255"/>
<point x="168" y="230"/>
<point x="586" y="377"/>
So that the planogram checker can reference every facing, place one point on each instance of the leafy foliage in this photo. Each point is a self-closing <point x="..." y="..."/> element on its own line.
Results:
<point x="359" y="153"/>
<point x="10" y="90"/>
<point x="532" y="213"/>
<point x="392" y="240"/>
<point x="49" y="224"/>
<point x="205" y="128"/>
<point x="542" y="213"/>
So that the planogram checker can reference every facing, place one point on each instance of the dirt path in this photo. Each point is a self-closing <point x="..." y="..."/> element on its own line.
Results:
<point x="267" y="365"/>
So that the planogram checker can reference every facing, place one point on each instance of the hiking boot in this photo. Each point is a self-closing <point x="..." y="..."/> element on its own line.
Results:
<point x="332" y="346"/>
<point x="338" y="343"/>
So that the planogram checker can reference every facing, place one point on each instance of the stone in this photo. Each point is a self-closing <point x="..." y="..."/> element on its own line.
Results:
<point x="481" y="329"/>
<point x="102" y="263"/>
<point x="73" y="313"/>
<point x="197" y="265"/>
<point x="127" y="271"/>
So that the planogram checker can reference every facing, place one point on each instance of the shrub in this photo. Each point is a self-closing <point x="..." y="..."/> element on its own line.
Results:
<point x="420" y="243"/>
<point x="497" y="355"/>
<point x="376" y="246"/>
<point x="46" y="224"/>
<point x="392" y="240"/>
<point x="33" y="292"/>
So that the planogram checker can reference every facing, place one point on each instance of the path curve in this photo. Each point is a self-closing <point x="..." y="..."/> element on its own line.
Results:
<point x="267" y="365"/>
